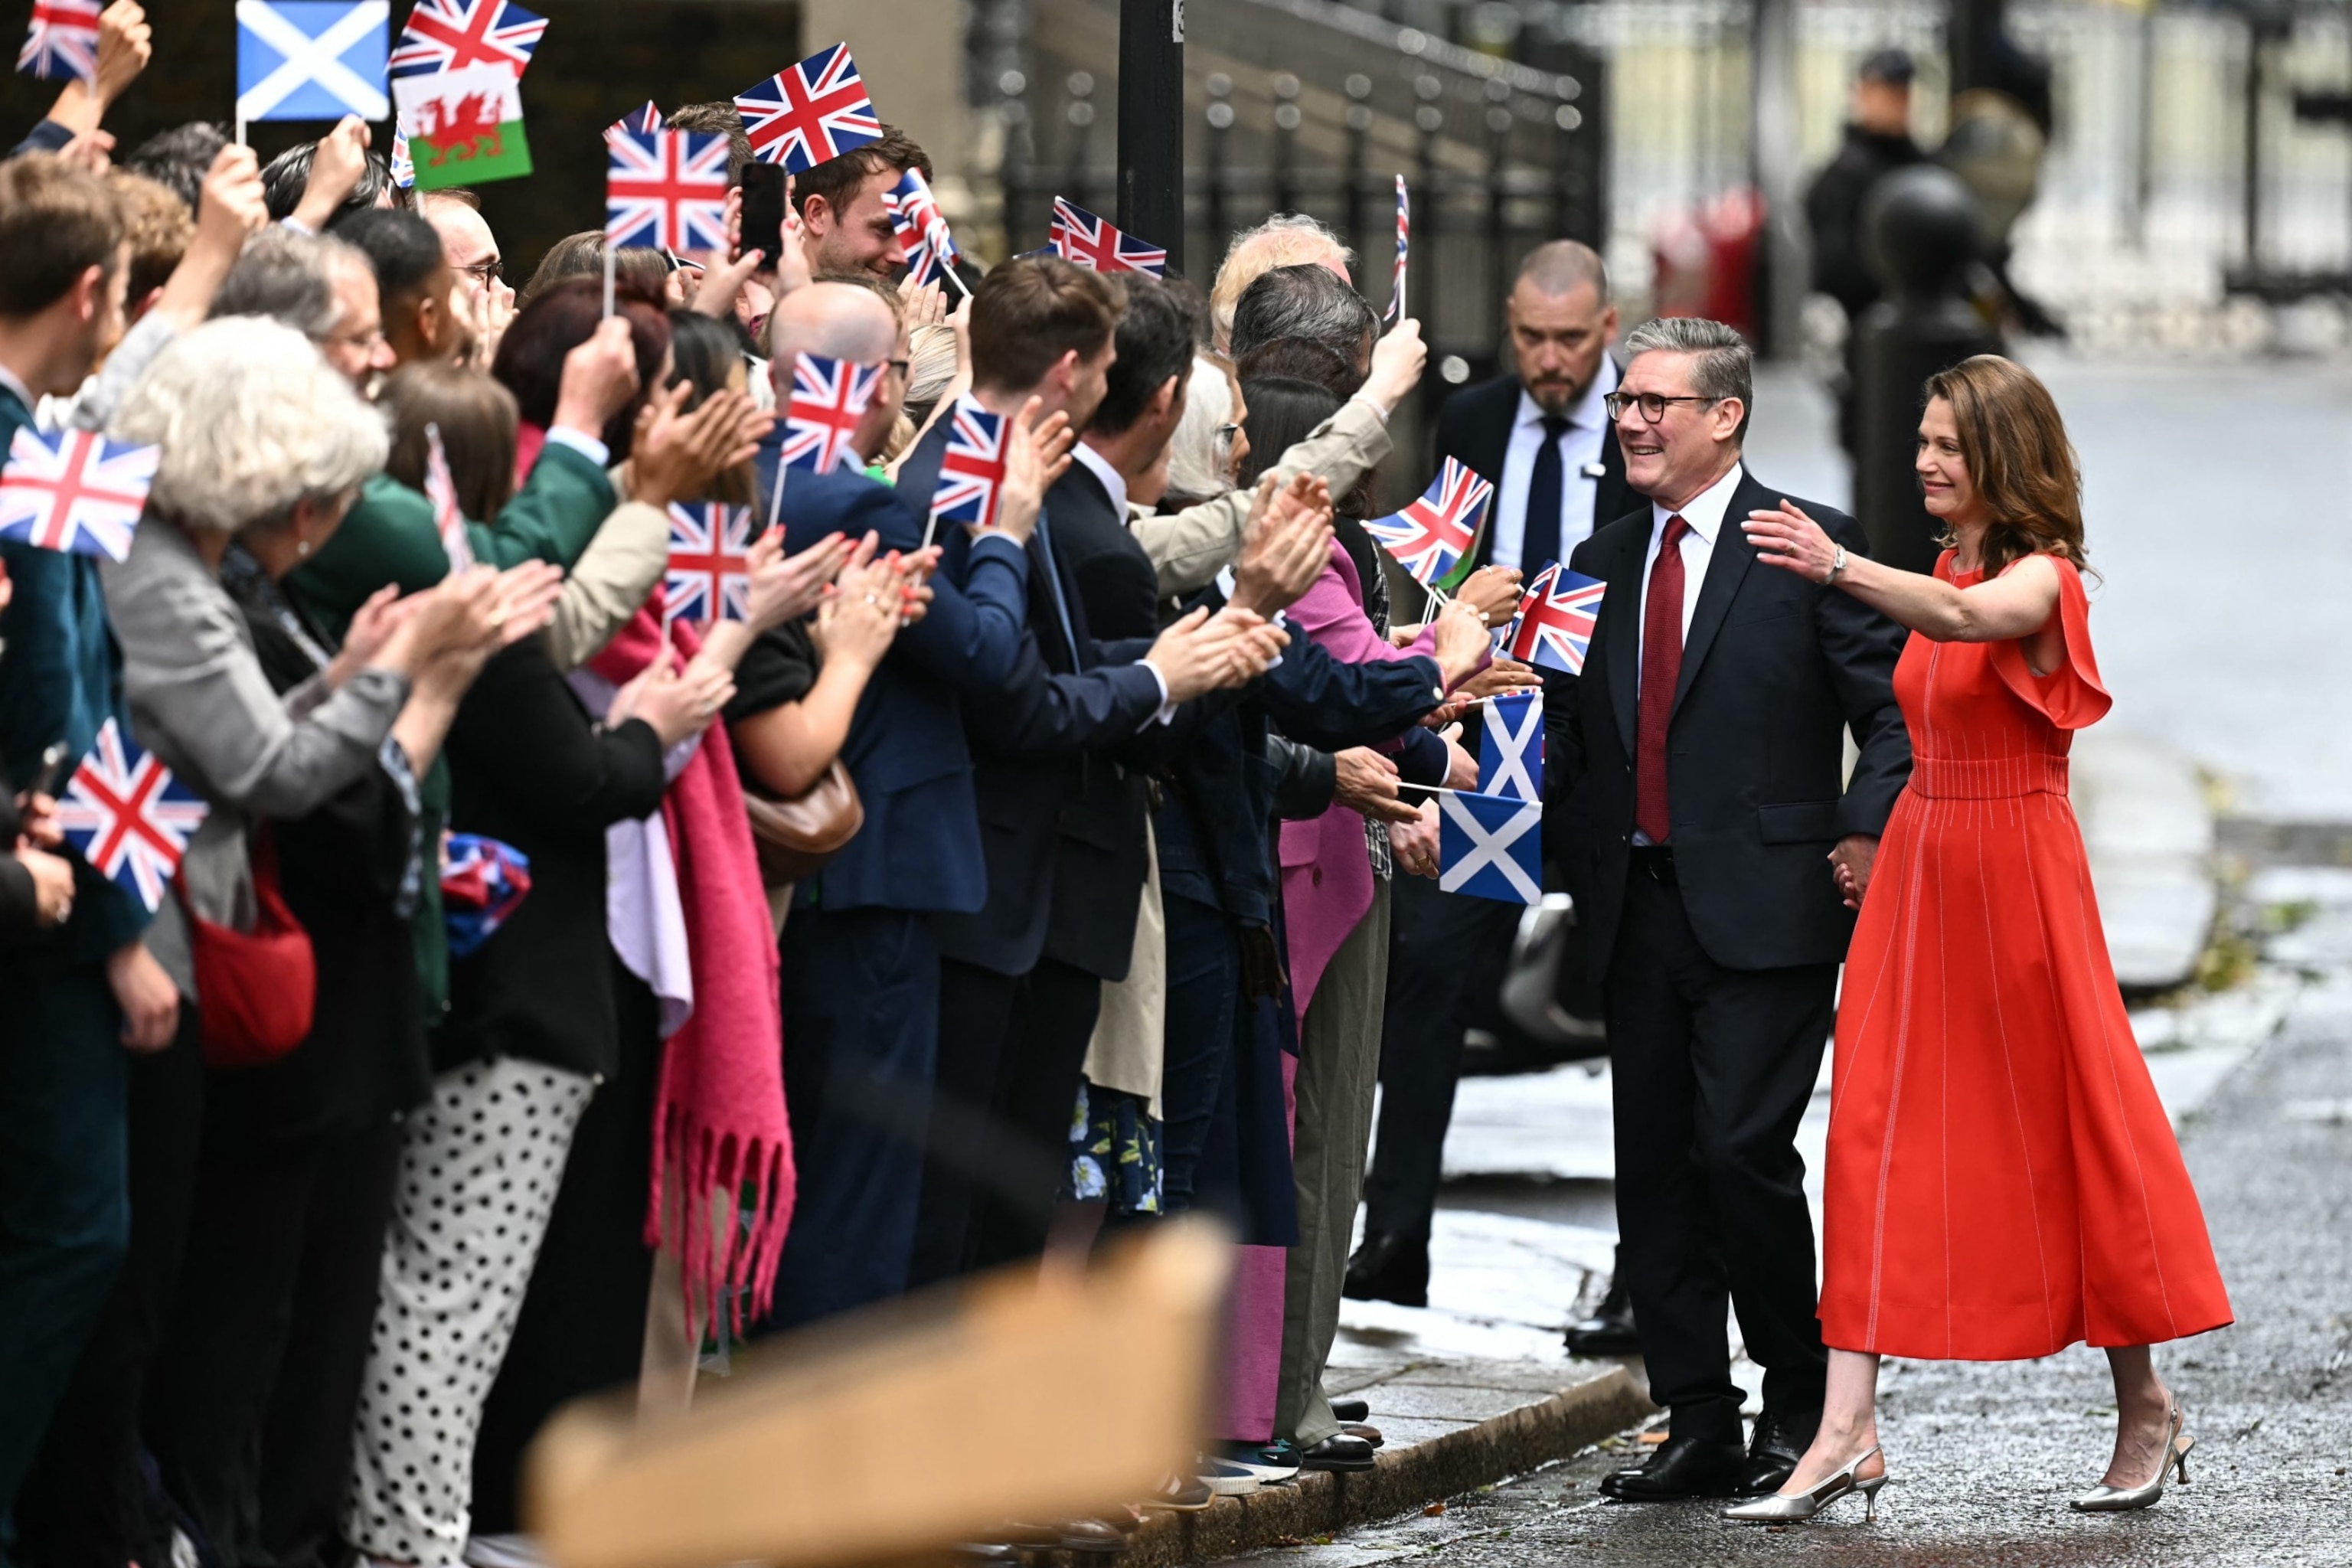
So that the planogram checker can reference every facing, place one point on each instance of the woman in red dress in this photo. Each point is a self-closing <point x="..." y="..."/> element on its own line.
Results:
<point x="2002" y="1181"/>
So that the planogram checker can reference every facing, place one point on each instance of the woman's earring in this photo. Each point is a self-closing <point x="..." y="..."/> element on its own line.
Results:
<point x="302" y="547"/>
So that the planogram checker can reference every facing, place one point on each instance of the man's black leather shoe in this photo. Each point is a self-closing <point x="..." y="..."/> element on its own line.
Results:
<point x="1781" y="1440"/>
<point x="1338" y="1452"/>
<point x="1390" y="1267"/>
<point x="1351" y="1409"/>
<point x="1610" y="1330"/>
<point x="1677" y="1468"/>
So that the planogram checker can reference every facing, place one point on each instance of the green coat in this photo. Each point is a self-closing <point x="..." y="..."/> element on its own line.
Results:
<point x="389" y="537"/>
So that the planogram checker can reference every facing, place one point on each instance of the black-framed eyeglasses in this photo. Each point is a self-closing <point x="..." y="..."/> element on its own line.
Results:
<point x="494" y="270"/>
<point x="1652" y="404"/>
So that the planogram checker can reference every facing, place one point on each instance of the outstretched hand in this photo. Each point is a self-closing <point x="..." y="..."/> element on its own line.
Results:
<point x="1787" y="538"/>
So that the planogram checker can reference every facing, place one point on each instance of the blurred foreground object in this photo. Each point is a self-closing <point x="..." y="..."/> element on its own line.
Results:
<point x="816" y="1451"/>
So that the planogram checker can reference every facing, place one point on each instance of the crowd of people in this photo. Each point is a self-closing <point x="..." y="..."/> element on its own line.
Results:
<point x="977" y="895"/>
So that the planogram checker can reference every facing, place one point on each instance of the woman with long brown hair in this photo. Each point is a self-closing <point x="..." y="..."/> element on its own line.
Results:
<point x="2002" y="1181"/>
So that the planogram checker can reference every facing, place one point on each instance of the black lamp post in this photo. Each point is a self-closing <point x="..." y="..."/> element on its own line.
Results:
<point x="1151" y="124"/>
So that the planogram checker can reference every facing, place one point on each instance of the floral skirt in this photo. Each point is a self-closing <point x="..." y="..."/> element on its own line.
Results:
<point x="1114" y="1151"/>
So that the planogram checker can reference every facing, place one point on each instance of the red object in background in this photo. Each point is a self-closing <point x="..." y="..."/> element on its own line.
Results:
<point x="1705" y="261"/>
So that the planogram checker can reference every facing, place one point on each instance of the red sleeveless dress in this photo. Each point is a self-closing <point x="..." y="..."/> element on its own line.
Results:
<point x="2002" y="1179"/>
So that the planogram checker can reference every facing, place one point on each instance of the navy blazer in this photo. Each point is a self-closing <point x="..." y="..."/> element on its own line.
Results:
<point x="920" y="846"/>
<point x="1031" y="735"/>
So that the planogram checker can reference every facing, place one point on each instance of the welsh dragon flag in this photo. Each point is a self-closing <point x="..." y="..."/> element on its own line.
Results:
<point x="465" y="126"/>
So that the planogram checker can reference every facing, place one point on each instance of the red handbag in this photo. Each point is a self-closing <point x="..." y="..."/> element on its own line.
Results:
<point x="256" y="991"/>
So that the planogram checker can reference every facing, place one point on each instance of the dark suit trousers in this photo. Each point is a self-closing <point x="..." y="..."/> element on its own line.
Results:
<point x="1036" y="1096"/>
<point x="861" y="1032"/>
<point x="1444" y="949"/>
<point x="976" y="1015"/>
<point x="1712" y="1069"/>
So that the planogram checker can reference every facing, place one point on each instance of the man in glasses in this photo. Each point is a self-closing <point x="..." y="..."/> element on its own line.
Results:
<point x="472" y="252"/>
<point x="1696" y="799"/>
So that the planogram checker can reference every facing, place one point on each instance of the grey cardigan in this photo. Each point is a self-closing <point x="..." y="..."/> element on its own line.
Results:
<point x="199" y="700"/>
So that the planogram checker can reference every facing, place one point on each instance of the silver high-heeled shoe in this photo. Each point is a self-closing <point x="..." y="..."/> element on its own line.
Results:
<point x="2121" y="1499"/>
<point x="1783" y="1508"/>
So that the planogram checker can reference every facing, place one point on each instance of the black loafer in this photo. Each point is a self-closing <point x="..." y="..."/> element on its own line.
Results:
<point x="1389" y="1267"/>
<point x="1338" y="1452"/>
<point x="1680" y="1468"/>
<point x="1351" y="1409"/>
<point x="1780" y="1441"/>
<point x="1610" y="1330"/>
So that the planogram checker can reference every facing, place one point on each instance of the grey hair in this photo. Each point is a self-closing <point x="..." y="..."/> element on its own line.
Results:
<point x="253" y="422"/>
<point x="1563" y="265"/>
<point x="1196" y="471"/>
<point x="1309" y="301"/>
<point x="930" y="366"/>
<point x="290" y="277"/>
<point x="1721" y="365"/>
<point x="1285" y="240"/>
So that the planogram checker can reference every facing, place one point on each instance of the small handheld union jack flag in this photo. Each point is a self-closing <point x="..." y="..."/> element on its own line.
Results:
<point x="74" y="490"/>
<point x="709" y="574"/>
<point x="810" y="114"/>
<point x="666" y="190"/>
<point x="129" y="818"/>
<point x="1405" y="238"/>
<point x="971" y="471"/>
<point x="451" y="35"/>
<point x="483" y="881"/>
<point x="642" y="120"/>
<point x="404" y="163"/>
<point x="1554" y="626"/>
<point x="441" y="490"/>
<point x="63" y="41"/>
<point x="1078" y="235"/>
<point x="1430" y="536"/>
<point x="923" y="236"/>
<point x="829" y="397"/>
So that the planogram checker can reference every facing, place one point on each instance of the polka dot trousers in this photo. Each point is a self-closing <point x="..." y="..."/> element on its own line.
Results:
<point x="477" y="1178"/>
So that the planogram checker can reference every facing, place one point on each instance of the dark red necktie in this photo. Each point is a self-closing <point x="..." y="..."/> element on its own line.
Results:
<point x="1661" y="667"/>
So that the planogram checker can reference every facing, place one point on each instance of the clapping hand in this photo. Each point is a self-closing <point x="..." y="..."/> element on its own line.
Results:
<point x="675" y="703"/>
<point x="1288" y="543"/>
<point x="1035" y="452"/>
<point x="787" y="587"/>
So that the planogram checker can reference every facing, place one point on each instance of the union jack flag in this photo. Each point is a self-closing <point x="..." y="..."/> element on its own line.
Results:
<point x="483" y="881"/>
<point x="641" y="121"/>
<point x="710" y="576"/>
<point x="403" y="165"/>
<point x="1554" y="627"/>
<point x="971" y="471"/>
<point x="829" y="397"/>
<point x="1433" y="532"/>
<point x="64" y="39"/>
<point x="441" y="490"/>
<point x="129" y="816"/>
<point x="666" y="190"/>
<point x="74" y="490"/>
<point x="1404" y="236"/>
<point x="1078" y="235"/>
<point x="923" y="236"/>
<point x="450" y="35"/>
<point x="810" y="114"/>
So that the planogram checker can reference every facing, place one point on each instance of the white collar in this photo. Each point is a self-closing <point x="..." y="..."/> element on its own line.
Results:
<point x="1099" y="466"/>
<point x="1587" y="411"/>
<point x="1706" y="509"/>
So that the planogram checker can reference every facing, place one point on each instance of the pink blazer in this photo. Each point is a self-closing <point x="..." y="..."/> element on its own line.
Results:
<point x="1327" y="878"/>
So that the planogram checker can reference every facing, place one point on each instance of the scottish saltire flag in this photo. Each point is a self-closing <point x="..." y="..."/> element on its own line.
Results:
<point x="810" y="114"/>
<point x="709" y="574"/>
<point x="923" y="236"/>
<point x="450" y="35"/>
<point x="971" y="471"/>
<point x="665" y="190"/>
<point x="403" y="162"/>
<point x="1430" y="536"/>
<point x="640" y="119"/>
<point x="74" y="490"/>
<point x="129" y="818"/>
<point x="465" y="126"/>
<point x="1077" y="235"/>
<point x="829" y="397"/>
<point x="441" y="490"/>
<point x="1554" y="627"/>
<point x="311" y="59"/>
<point x="482" y="882"/>
<point x="1510" y="747"/>
<point x="63" y="41"/>
<point x="1404" y="237"/>
<point x="1490" y="846"/>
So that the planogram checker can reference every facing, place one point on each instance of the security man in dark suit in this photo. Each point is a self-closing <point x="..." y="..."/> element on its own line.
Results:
<point x="1542" y="435"/>
<point x="1695" y="795"/>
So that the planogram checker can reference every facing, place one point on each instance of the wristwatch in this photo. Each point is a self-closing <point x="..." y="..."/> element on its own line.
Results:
<point x="1837" y="565"/>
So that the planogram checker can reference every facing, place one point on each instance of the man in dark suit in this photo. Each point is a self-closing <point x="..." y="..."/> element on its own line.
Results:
<point x="1693" y="798"/>
<point x="1542" y="435"/>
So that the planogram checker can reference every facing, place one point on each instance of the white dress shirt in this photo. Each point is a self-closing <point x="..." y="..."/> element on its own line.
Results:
<point x="1580" y="466"/>
<point x="1704" y="515"/>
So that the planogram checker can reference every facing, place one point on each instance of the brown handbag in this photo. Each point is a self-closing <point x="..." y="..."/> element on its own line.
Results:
<point x="795" y="837"/>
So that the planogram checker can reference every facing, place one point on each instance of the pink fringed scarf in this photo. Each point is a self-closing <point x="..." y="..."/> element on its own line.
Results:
<point x="719" y="1129"/>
